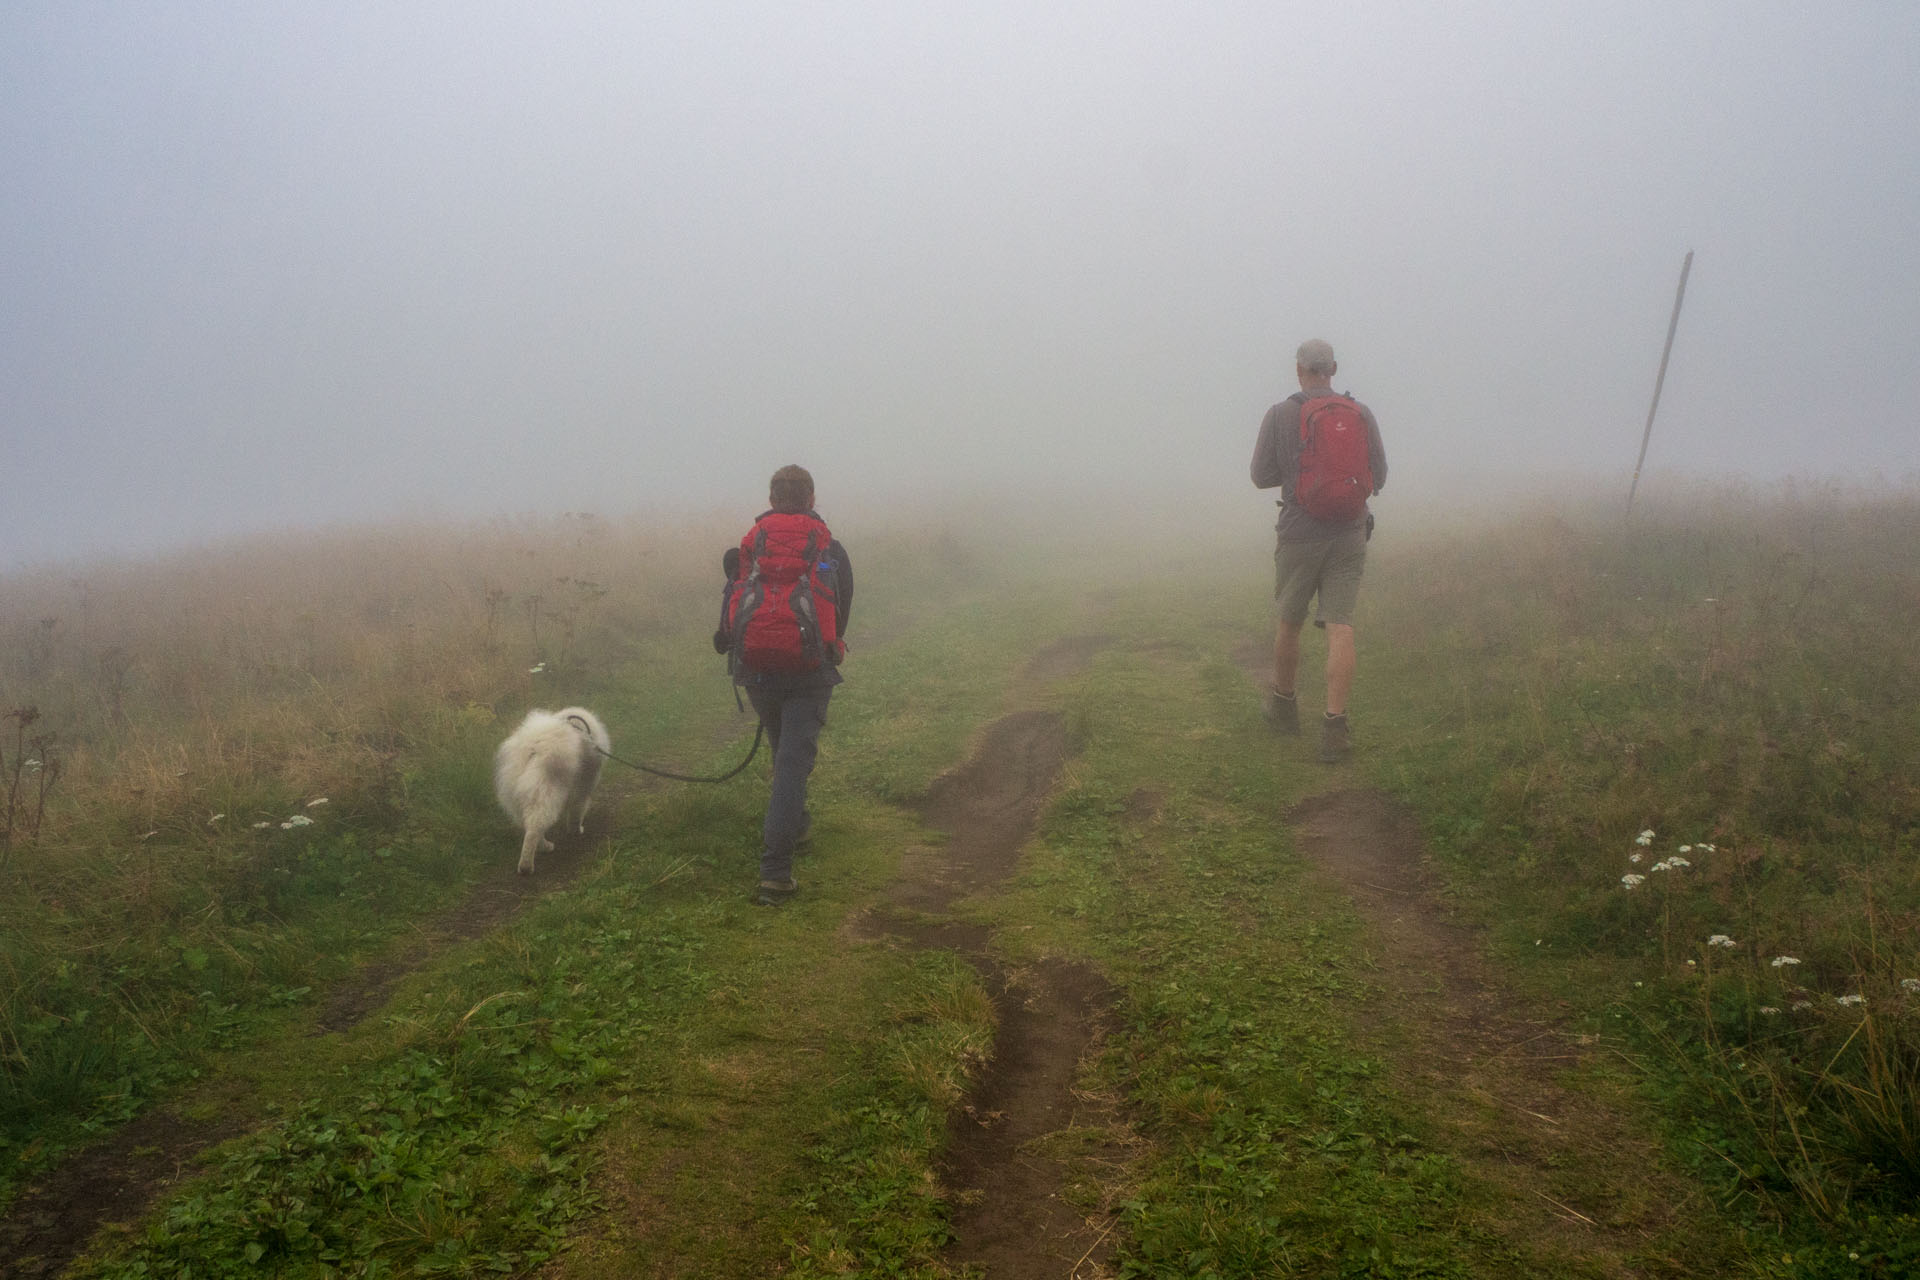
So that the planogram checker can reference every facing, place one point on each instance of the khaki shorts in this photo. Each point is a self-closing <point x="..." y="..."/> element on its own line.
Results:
<point x="1329" y="568"/>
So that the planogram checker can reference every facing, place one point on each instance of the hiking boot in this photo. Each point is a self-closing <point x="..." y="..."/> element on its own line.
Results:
<point x="775" y="893"/>
<point x="1281" y="710"/>
<point x="1334" y="743"/>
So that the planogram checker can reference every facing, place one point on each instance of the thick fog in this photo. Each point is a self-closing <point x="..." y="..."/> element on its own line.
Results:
<point x="280" y="265"/>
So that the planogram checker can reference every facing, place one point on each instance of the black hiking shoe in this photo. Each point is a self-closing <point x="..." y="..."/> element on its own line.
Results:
<point x="1335" y="745"/>
<point x="1282" y="711"/>
<point x="773" y="893"/>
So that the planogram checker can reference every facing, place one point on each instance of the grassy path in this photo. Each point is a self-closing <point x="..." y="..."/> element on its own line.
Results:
<point x="1090" y="975"/>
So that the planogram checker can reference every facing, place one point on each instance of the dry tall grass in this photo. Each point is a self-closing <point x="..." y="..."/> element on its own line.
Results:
<point x="302" y="664"/>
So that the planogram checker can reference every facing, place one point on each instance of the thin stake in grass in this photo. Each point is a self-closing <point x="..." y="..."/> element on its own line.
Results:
<point x="1660" y="380"/>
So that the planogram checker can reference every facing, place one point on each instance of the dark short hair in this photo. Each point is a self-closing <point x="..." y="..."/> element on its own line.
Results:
<point x="791" y="490"/>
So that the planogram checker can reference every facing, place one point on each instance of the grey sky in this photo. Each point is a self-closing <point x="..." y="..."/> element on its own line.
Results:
<point x="265" y="265"/>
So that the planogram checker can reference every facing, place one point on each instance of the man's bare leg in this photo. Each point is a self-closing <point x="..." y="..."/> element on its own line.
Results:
<point x="1286" y="657"/>
<point x="1341" y="660"/>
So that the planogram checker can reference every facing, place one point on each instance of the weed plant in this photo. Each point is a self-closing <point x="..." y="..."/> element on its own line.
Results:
<point x="1677" y="755"/>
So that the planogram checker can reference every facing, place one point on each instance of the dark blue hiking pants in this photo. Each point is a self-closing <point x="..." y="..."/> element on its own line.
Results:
<point x="793" y="719"/>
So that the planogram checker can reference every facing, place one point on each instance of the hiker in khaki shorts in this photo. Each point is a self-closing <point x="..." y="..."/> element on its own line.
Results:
<point x="1319" y="551"/>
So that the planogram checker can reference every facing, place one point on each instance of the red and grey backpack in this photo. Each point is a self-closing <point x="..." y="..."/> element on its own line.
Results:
<point x="781" y="614"/>
<point x="1335" y="477"/>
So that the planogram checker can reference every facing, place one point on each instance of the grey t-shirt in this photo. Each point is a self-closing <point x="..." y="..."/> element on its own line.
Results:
<point x="1276" y="461"/>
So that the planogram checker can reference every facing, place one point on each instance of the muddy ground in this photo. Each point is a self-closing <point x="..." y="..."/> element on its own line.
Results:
<point x="1021" y="1211"/>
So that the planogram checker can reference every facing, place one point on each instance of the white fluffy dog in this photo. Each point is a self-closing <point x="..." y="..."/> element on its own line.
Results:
<point x="544" y="773"/>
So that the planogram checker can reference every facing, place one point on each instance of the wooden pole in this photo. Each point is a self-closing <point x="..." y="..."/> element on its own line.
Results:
<point x="1672" y="324"/>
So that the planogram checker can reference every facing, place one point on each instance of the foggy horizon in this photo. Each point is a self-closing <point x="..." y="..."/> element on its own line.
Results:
<point x="272" y="268"/>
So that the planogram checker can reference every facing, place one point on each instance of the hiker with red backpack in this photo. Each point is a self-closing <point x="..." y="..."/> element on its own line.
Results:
<point x="783" y="617"/>
<point x="1323" y="450"/>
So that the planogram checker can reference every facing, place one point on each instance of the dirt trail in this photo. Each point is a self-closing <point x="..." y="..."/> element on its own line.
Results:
<point x="1582" y="1178"/>
<point x="1005" y="1171"/>
<point x="116" y="1179"/>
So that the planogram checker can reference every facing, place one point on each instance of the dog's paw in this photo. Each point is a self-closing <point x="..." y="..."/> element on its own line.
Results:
<point x="546" y="846"/>
<point x="526" y="866"/>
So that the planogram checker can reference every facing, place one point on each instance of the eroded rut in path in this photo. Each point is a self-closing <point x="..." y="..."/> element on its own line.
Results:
<point x="1581" y="1177"/>
<point x="1005" y="1172"/>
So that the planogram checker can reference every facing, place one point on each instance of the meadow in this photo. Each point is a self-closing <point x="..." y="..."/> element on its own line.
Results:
<point x="1663" y="772"/>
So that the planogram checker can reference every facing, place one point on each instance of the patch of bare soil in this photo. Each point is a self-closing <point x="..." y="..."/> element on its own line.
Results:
<point x="1065" y="657"/>
<point x="1583" y="1178"/>
<point x="987" y="807"/>
<point x="46" y="1227"/>
<point x="1016" y="1148"/>
<point x="1021" y="1205"/>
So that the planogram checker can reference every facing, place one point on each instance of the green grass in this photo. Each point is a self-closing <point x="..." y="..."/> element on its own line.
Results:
<point x="1740" y="678"/>
<point x="645" y="1075"/>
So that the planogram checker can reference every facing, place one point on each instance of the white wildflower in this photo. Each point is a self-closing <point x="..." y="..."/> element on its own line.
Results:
<point x="1706" y="848"/>
<point x="1768" y="1009"/>
<point x="1779" y="961"/>
<point x="261" y="825"/>
<point x="1722" y="940"/>
<point x="1911" y="986"/>
<point x="1635" y="858"/>
<point x="215" y="818"/>
<point x="149" y="834"/>
<point x="1678" y="862"/>
<point x="1631" y="880"/>
<point x="297" y="820"/>
<point x="314" y="804"/>
<point x="536" y="668"/>
<point x="1850" y="1000"/>
<point x="1801" y="1006"/>
<point x="1686" y="848"/>
<point x="33" y="766"/>
<point x="1645" y="838"/>
<point x="1662" y="865"/>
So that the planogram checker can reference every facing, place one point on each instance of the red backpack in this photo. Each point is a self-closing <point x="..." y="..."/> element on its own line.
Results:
<point x="1336" y="471"/>
<point x="781" y="612"/>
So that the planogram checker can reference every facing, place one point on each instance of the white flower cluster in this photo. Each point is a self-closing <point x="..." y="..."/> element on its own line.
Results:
<point x="1673" y="863"/>
<point x="1722" y="940"/>
<point x="536" y="668"/>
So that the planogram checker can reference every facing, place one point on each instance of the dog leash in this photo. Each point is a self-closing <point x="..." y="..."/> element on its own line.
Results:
<point x="759" y="731"/>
